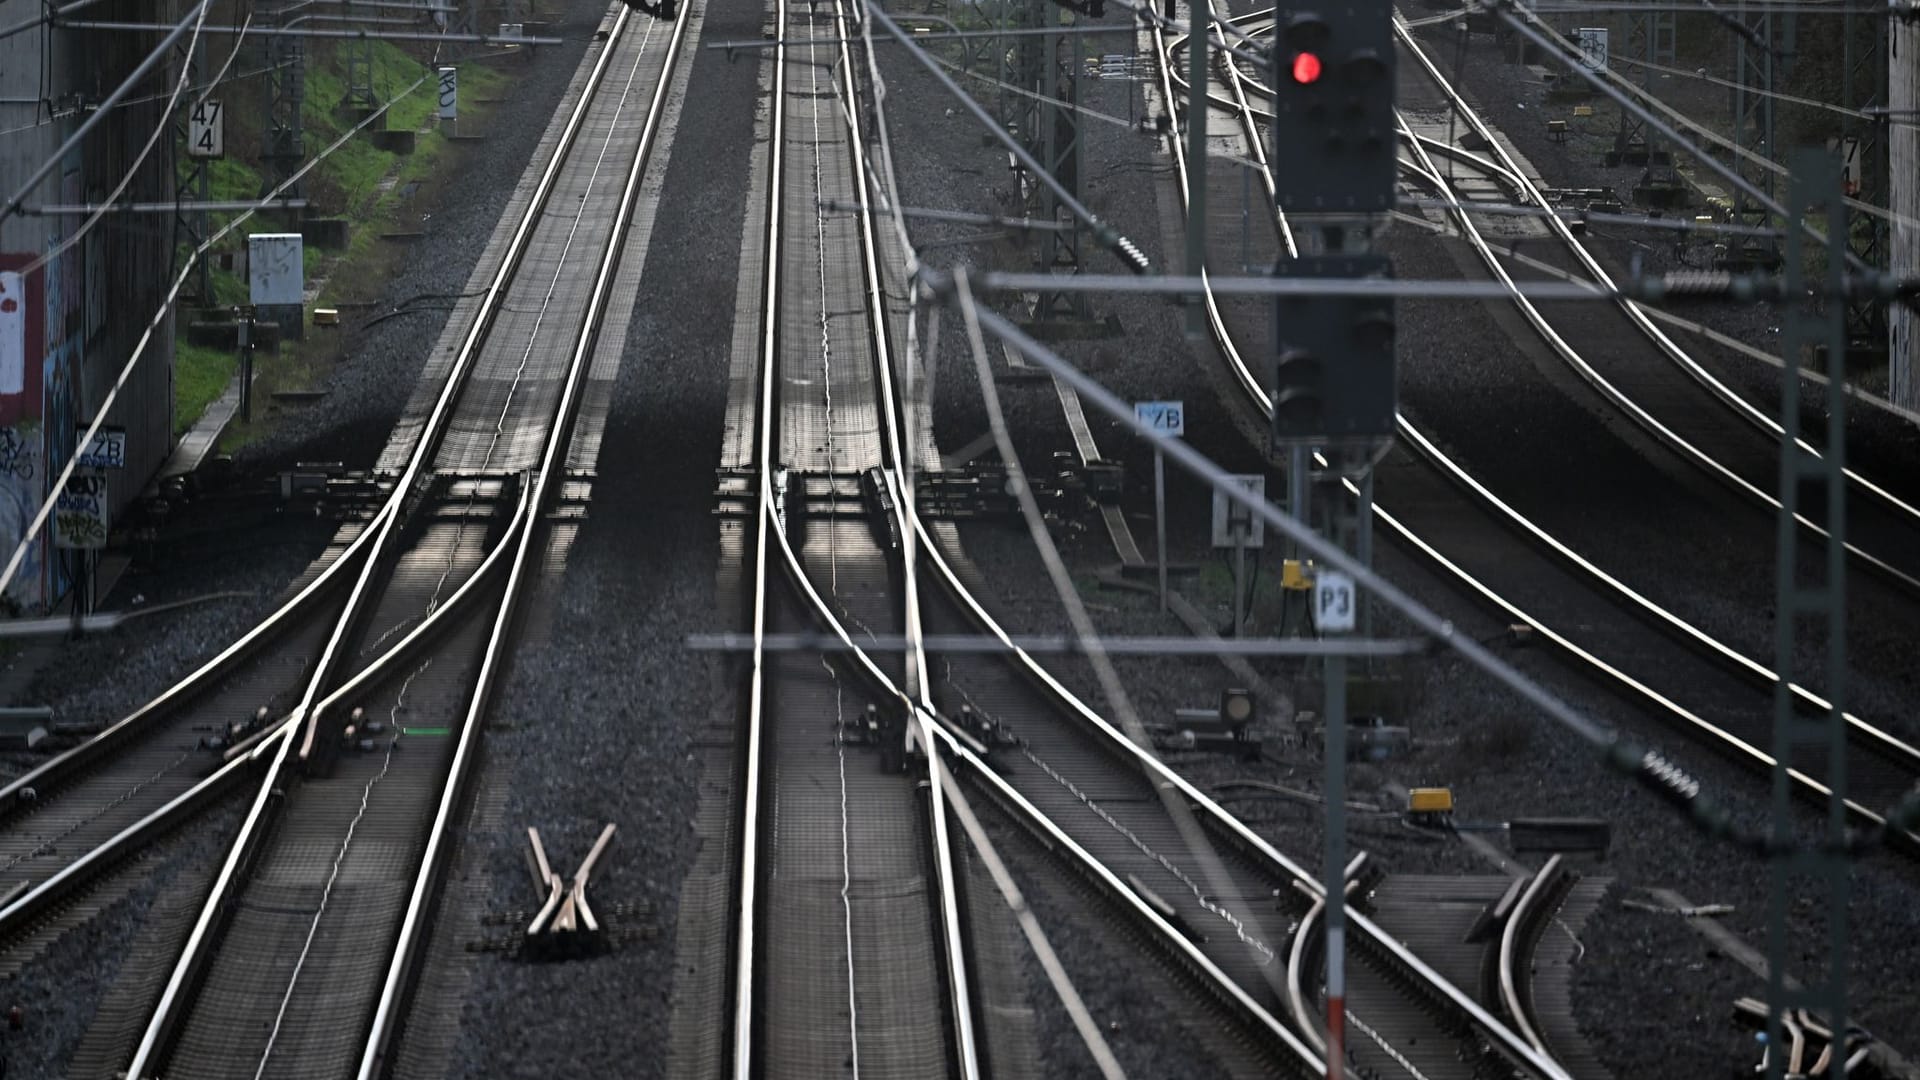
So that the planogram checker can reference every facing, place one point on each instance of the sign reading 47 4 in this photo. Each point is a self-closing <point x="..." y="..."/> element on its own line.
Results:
<point x="207" y="130"/>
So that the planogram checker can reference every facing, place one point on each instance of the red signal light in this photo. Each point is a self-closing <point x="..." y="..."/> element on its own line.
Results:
<point x="1306" y="68"/>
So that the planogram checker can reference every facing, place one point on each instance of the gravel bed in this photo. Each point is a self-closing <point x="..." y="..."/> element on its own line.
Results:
<point x="59" y="992"/>
<point x="595" y="724"/>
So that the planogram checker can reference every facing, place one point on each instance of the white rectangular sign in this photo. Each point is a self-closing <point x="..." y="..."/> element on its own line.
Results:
<point x="207" y="130"/>
<point x="108" y="450"/>
<point x="1233" y="524"/>
<point x="1593" y="47"/>
<point x="13" y="333"/>
<point x="80" y="513"/>
<point x="1334" y="602"/>
<point x="1164" y="417"/>
<point x="1848" y="148"/>
<point x="276" y="268"/>
<point x="449" y="93"/>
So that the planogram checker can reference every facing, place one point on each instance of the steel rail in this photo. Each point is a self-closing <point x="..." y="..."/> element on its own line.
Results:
<point x="1662" y="705"/>
<point x="32" y="904"/>
<point x="1873" y="738"/>
<point x="1667" y="346"/>
<point x="969" y="751"/>
<point x="1524" y="922"/>
<point x="1249" y="126"/>
<point x="1367" y="932"/>
<point x="956" y="976"/>
<point x="394" y="992"/>
<point x="59" y="768"/>
<point x="958" y="980"/>
<point x="1299" y="961"/>
<point x="1300" y="1005"/>
<point x="955" y="954"/>
<point x="195" y="952"/>
<point x="1870" y="736"/>
<point x="746" y="926"/>
<point x="1262" y="20"/>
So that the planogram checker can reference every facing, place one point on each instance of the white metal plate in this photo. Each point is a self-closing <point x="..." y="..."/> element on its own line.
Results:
<point x="1162" y="417"/>
<point x="1334" y="602"/>
<point x="207" y="130"/>
<point x="276" y="268"/>
<point x="1233" y="524"/>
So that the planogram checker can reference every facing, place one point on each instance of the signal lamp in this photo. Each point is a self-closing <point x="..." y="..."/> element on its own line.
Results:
<point x="1306" y="68"/>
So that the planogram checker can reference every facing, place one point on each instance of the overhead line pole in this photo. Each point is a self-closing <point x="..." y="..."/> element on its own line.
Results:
<point x="1198" y="23"/>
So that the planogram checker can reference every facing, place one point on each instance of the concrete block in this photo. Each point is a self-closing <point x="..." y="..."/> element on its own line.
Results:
<point x="330" y="233"/>
<point x="393" y="142"/>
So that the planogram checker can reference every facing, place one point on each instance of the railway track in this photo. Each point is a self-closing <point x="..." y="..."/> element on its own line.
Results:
<point x="1725" y="704"/>
<point x="1067" y="752"/>
<point x="846" y="877"/>
<point x="1663" y="399"/>
<point x="299" y="961"/>
<point x="78" y="814"/>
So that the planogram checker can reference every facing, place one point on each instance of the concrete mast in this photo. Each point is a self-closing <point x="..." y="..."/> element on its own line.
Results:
<point x="1903" y="173"/>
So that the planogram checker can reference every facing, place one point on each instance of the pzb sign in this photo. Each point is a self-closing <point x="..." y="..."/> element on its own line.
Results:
<point x="206" y="130"/>
<point x="1161" y="417"/>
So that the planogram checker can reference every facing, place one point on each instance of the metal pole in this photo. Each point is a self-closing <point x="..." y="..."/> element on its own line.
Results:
<point x="1197" y="12"/>
<point x="1815" y="182"/>
<point x="1335" y="870"/>
<point x="1160" y="518"/>
<point x="1363" y="547"/>
<point x="245" y="332"/>
<point x="1239" y="579"/>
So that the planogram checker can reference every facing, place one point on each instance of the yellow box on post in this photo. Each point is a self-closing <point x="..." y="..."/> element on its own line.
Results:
<point x="1430" y="800"/>
<point x="1296" y="575"/>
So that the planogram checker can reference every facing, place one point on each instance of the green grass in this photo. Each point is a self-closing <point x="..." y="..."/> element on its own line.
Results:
<point x="200" y="375"/>
<point x="345" y="183"/>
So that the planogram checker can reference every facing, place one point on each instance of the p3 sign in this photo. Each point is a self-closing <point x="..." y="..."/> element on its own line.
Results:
<point x="1334" y="602"/>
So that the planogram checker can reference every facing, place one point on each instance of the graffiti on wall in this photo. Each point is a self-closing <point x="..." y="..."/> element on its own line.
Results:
<point x="20" y="479"/>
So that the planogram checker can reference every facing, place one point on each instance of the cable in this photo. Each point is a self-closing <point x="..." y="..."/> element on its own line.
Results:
<point x="224" y="68"/>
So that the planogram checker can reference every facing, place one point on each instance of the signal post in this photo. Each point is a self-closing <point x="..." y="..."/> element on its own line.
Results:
<point x="1335" y="154"/>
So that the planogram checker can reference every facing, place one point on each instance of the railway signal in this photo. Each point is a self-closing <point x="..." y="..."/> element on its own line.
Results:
<point x="1333" y="108"/>
<point x="1334" y="368"/>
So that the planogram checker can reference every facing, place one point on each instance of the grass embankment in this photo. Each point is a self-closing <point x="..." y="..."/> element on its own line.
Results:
<point x="348" y="183"/>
